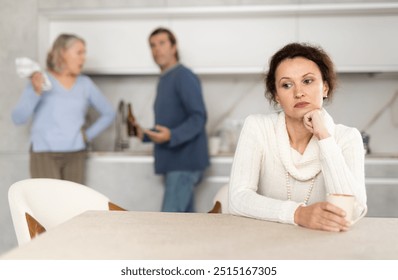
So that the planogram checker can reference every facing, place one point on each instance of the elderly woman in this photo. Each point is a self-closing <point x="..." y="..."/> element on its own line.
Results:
<point x="58" y="139"/>
<point x="287" y="162"/>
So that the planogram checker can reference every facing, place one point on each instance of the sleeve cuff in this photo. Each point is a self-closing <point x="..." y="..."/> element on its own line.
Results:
<point x="288" y="216"/>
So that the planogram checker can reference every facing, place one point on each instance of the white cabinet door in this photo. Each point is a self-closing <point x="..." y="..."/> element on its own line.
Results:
<point x="232" y="44"/>
<point x="113" y="46"/>
<point x="359" y="37"/>
<point x="207" y="44"/>
<point x="357" y="43"/>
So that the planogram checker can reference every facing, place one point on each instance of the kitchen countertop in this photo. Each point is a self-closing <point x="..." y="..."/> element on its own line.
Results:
<point x="382" y="158"/>
<point x="146" y="157"/>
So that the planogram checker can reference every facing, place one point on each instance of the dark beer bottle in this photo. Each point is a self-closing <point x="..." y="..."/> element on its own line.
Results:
<point x="131" y="128"/>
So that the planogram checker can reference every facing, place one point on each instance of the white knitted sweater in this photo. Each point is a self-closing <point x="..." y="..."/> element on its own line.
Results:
<point x="258" y="186"/>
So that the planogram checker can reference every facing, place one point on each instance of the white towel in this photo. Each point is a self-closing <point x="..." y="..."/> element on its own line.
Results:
<point x="26" y="67"/>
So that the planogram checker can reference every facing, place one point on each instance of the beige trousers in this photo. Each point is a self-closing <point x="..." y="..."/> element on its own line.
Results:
<point x="66" y="166"/>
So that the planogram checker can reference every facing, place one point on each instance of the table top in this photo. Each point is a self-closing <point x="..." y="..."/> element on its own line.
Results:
<point x="200" y="236"/>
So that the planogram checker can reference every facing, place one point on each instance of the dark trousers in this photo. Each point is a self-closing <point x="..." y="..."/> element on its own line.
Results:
<point x="69" y="166"/>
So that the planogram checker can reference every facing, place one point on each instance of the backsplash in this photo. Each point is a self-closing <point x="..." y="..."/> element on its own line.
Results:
<point x="231" y="98"/>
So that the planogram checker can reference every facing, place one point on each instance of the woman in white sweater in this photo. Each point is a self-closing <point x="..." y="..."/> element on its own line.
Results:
<point x="286" y="163"/>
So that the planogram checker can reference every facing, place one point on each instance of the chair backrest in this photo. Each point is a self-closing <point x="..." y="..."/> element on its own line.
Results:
<point x="220" y="201"/>
<point x="37" y="205"/>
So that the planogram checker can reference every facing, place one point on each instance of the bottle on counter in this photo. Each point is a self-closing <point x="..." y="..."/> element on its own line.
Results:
<point x="131" y="128"/>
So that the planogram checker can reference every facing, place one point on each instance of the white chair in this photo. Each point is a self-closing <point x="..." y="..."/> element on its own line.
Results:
<point x="220" y="201"/>
<point x="37" y="205"/>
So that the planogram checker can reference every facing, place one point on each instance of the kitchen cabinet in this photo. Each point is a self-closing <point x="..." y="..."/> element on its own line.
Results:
<point x="225" y="40"/>
<point x="230" y="44"/>
<point x="114" y="46"/>
<point x="129" y="180"/>
<point x="356" y="42"/>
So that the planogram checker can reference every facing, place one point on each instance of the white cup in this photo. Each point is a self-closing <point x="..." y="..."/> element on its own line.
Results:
<point x="349" y="204"/>
<point x="214" y="145"/>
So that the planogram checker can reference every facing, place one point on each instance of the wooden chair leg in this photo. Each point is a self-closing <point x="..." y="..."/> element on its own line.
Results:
<point x="114" y="207"/>
<point x="35" y="228"/>
<point x="216" y="209"/>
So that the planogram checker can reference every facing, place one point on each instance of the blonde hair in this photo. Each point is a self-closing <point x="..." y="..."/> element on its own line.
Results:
<point x="54" y="56"/>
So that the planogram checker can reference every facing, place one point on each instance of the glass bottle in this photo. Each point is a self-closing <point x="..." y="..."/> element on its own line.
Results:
<point x="131" y="128"/>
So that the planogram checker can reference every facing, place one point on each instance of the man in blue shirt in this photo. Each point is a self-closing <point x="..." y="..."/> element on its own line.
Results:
<point x="181" y="152"/>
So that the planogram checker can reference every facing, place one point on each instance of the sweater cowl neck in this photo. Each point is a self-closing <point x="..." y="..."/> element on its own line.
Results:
<point x="309" y="165"/>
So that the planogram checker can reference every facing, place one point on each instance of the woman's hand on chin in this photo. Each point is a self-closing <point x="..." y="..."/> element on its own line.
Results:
<point x="313" y="121"/>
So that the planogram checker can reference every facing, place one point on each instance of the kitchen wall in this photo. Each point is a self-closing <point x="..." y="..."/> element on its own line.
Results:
<point x="17" y="37"/>
<point x="358" y="99"/>
<point x="229" y="98"/>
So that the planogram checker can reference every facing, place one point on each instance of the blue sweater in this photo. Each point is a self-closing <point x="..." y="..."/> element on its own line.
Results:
<point x="179" y="106"/>
<point x="59" y="114"/>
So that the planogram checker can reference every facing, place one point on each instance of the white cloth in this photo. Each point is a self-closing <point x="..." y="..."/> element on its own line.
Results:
<point x="26" y="67"/>
<point x="258" y="186"/>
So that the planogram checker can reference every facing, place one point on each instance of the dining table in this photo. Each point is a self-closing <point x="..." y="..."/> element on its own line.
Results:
<point x="136" y="235"/>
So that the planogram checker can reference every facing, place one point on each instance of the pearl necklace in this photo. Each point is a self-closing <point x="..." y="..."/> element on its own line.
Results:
<point x="289" y="191"/>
